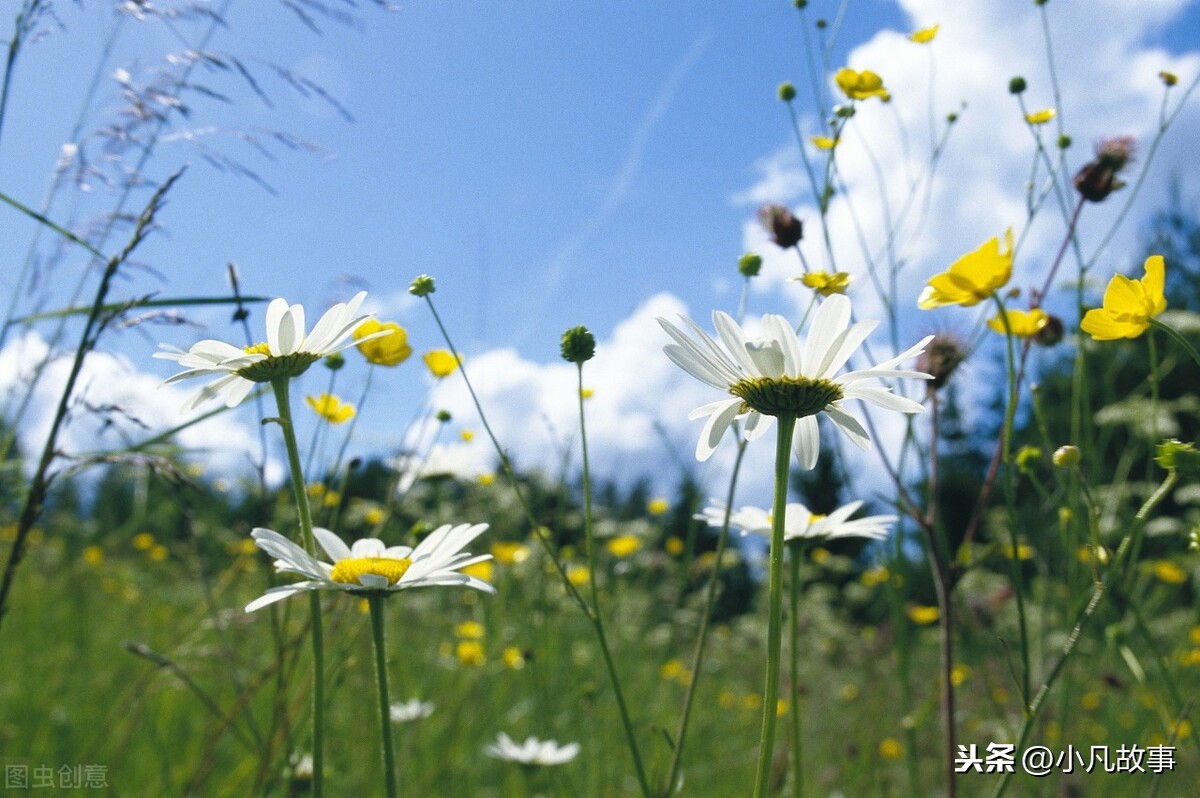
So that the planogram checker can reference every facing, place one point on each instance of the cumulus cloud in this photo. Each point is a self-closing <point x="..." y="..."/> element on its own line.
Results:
<point x="115" y="405"/>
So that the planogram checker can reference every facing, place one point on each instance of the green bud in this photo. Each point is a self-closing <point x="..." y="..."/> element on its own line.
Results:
<point x="843" y="111"/>
<point x="750" y="264"/>
<point x="1066" y="456"/>
<point x="1017" y="85"/>
<point x="578" y="345"/>
<point x="1174" y="455"/>
<point x="951" y="118"/>
<point x="822" y="24"/>
<point x="800" y="4"/>
<point x="787" y="92"/>
<point x="1064" y="141"/>
<point x="422" y="285"/>
<point x="335" y="361"/>
<point x="444" y="416"/>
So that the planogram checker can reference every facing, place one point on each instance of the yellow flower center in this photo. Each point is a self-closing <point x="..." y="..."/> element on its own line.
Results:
<point x="815" y="517"/>
<point x="348" y="571"/>
<point x="794" y="396"/>
<point x="289" y="366"/>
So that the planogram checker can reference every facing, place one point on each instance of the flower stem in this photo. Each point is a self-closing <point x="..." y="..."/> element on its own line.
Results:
<point x="280" y="386"/>
<point x="375" y="601"/>
<point x="1179" y="339"/>
<point x="794" y="651"/>
<point x="595" y="615"/>
<point x="783" y="454"/>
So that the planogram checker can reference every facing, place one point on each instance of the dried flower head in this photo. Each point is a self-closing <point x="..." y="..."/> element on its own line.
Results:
<point x="1098" y="178"/>
<point x="942" y="356"/>
<point x="785" y="229"/>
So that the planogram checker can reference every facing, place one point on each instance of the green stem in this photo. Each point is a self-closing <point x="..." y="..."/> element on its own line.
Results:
<point x="783" y="454"/>
<point x="1179" y="339"/>
<point x="299" y="490"/>
<point x="595" y="615"/>
<point x="375" y="601"/>
<point x="794" y="650"/>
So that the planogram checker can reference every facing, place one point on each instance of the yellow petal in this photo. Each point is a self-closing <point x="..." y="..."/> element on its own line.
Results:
<point x="924" y="35"/>
<point x="823" y="142"/>
<point x="1154" y="282"/>
<point x="1124" y="296"/>
<point x="1104" y="326"/>
<point x="1040" y="117"/>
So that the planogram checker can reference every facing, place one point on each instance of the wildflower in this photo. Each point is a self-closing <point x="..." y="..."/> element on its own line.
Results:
<point x="587" y="393"/>
<point x="1040" y="117"/>
<point x="860" y="85"/>
<point x="848" y="692"/>
<point x="441" y="363"/>
<point x="578" y="345"/>
<point x="785" y="229"/>
<point x="1022" y="552"/>
<point x="1098" y="177"/>
<point x="959" y="674"/>
<point x="1021" y="323"/>
<point x="470" y="652"/>
<point x="287" y="353"/>
<point x="407" y="711"/>
<point x="624" y="545"/>
<point x="1169" y="572"/>
<point x="922" y="615"/>
<point x="823" y="142"/>
<point x="93" y="556"/>
<point x="373" y="516"/>
<point x="158" y="553"/>
<point x="369" y="566"/>
<point x="774" y="375"/>
<point x="972" y="278"/>
<point x="873" y="577"/>
<point x="1169" y="79"/>
<point x="658" y="506"/>
<point x="1128" y="304"/>
<point x="891" y="748"/>
<point x="672" y="670"/>
<point x="332" y="499"/>
<point x="509" y="553"/>
<point x="820" y="555"/>
<point x="143" y="541"/>
<point x="331" y="408"/>
<point x="825" y="283"/>
<point x="466" y="435"/>
<point x="578" y="575"/>
<point x="514" y="658"/>
<point x="1051" y="332"/>
<point x="924" y="35"/>
<point x="674" y="546"/>
<point x="533" y="751"/>
<point x="386" y="350"/>
<point x="469" y="630"/>
<point x="1089" y="701"/>
<point x="800" y="524"/>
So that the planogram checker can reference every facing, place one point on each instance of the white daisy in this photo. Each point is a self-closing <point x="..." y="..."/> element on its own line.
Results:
<point x="774" y="375"/>
<point x="288" y="352"/>
<point x="413" y="709"/>
<point x="533" y="751"/>
<point x="799" y="523"/>
<point x="370" y="566"/>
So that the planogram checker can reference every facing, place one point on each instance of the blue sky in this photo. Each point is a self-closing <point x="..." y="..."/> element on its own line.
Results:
<point x="555" y="164"/>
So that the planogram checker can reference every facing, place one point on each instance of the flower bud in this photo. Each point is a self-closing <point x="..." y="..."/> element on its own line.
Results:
<point x="444" y="416"/>
<point x="422" y="285"/>
<point x="1051" y="332"/>
<point x="843" y="111"/>
<point x="787" y="92"/>
<point x="785" y="229"/>
<point x="334" y="361"/>
<point x="1169" y="79"/>
<point x="1017" y="85"/>
<point x="1066" y="456"/>
<point x="1174" y="455"/>
<point x="822" y="24"/>
<point x="750" y="264"/>
<point x="951" y="118"/>
<point x="940" y="358"/>
<point x="578" y="345"/>
<point x="800" y="4"/>
<point x="1064" y="141"/>
<point x="1098" y="178"/>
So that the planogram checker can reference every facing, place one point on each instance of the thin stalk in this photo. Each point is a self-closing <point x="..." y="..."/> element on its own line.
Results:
<point x="939" y="556"/>
<point x="710" y="602"/>
<point x="596" y="616"/>
<point x="280" y="386"/>
<point x="794" y="675"/>
<point x="1178" y="338"/>
<point x="783" y="454"/>
<point x="375" y="601"/>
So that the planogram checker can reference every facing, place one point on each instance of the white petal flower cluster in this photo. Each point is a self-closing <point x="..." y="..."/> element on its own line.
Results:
<point x="800" y="524"/>
<point x="287" y="352"/>
<point x="533" y="751"/>
<point x="408" y="711"/>
<point x="370" y="565"/>
<point x="775" y="374"/>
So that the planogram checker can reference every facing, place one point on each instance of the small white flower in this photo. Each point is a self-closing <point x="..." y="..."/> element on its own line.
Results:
<point x="288" y="351"/>
<point x="774" y="375"/>
<point x="799" y="523"/>
<point x="369" y="566"/>
<point x="533" y="751"/>
<point x="413" y="709"/>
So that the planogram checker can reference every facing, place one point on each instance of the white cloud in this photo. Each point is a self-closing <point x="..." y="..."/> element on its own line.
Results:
<point x="222" y="443"/>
